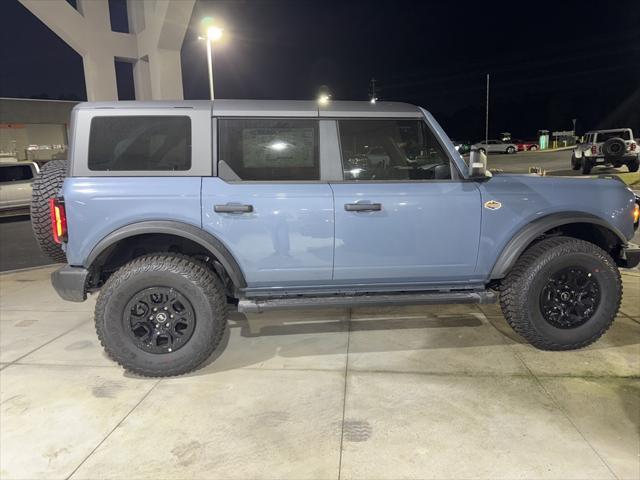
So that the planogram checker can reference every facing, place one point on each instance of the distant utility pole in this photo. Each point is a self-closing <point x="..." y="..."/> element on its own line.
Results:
<point x="486" y="122"/>
<point x="373" y="97"/>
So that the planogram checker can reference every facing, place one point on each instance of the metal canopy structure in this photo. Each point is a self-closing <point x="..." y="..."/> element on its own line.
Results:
<point x="157" y="29"/>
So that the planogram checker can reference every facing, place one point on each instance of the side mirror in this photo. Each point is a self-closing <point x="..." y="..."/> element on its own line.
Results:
<point x="477" y="164"/>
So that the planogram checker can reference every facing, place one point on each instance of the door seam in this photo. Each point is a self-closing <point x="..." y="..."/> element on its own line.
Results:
<point x="333" y="256"/>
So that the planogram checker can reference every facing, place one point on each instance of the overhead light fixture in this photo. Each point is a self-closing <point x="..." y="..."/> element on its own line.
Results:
<point x="324" y="99"/>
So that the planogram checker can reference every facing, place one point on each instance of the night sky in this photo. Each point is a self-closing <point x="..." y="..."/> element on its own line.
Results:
<point x="549" y="62"/>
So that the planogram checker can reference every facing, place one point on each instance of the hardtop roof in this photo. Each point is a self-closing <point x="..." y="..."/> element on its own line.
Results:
<point x="270" y="108"/>
<point x="607" y="130"/>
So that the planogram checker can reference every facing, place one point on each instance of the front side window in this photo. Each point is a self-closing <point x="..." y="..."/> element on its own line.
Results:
<point x="140" y="143"/>
<point x="270" y="149"/>
<point x="391" y="150"/>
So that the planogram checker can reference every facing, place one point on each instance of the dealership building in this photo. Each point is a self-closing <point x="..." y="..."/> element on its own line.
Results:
<point x="34" y="130"/>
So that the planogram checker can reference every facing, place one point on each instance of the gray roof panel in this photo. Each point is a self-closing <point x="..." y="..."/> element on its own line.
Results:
<point x="135" y="104"/>
<point x="265" y="108"/>
<point x="272" y="108"/>
<point x="368" y="109"/>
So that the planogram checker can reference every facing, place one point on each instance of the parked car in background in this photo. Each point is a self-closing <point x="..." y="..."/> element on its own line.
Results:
<point x="496" y="146"/>
<point x="16" y="179"/>
<point x="614" y="147"/>
<point x="526" y="145"/>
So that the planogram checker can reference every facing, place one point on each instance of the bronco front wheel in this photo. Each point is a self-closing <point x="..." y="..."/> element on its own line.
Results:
<point x="161" y="315"/>
<point x="562" y="294"/>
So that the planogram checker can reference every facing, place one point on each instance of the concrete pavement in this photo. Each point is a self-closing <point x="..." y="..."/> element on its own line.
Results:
<point x="411" y="392"/>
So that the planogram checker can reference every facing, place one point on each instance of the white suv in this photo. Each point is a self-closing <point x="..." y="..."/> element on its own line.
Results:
<point x="15" y="187"/>
<point x="614" y="147"/>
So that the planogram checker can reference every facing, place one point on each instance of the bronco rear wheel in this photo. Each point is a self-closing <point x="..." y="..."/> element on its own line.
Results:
<point x="562" y="294"/>
<point x="161" y="315"/>
<point x="46" y="186"/>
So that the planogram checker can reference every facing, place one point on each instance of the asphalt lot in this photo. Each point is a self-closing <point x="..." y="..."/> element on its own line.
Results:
<point x="558" y="161"/>
<point x="555" y="163"/>
<point x="18" y="248"/>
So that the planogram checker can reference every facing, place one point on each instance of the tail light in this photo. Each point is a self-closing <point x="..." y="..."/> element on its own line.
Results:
<point x="594" y="149"/>
<point x="636" y="215"/>
<point x="58" y="220"/>
<point x="632" y="146"/>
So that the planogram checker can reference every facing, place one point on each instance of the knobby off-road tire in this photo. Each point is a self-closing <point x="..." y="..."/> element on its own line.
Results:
<point x="193" y="291"/>
<point x="576" y="163"/>
<point x="521" y="295"/>
<point x="587" y="165"/>
<point x="46" y="186"/>
<point x="633" y="164"/>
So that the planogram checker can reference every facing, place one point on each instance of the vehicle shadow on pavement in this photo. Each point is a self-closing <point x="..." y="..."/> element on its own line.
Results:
<point x="620" y="334"/>
<point x="251" y="341"/>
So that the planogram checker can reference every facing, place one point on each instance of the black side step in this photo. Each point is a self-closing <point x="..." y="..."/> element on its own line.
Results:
<point x="258" y="305"/>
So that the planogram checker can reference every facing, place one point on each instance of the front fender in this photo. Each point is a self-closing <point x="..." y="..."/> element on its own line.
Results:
<point x="529" y="205"/>
<point x="521" y="240"/>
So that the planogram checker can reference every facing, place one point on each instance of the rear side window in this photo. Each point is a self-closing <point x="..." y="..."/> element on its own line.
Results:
<point x="269" y="149"/>
<point x="391" y="150"/>
<point x="139" y="143"/>
<point x="16" y="173"/>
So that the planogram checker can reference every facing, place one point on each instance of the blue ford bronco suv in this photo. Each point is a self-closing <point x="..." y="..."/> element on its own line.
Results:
<point x="177" y="211"/>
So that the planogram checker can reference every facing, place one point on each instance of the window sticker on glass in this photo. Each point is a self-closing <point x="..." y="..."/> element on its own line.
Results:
<point x="269" y="149"/>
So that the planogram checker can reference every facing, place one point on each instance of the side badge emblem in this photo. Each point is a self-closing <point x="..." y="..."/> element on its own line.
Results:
<point x="492" y="205"/>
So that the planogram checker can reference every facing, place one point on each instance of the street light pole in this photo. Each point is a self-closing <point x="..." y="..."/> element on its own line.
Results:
<point x="210" y="64"/>
<point x="213" y="33"/>
<point x="486" y="123"/>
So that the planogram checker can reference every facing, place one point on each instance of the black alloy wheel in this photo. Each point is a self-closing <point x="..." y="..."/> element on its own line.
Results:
<point x="160" y="319"/>
<point x="570" y="298"/>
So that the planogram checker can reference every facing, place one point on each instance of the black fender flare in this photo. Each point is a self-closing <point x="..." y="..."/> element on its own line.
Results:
<point x="523" y="238"/>
<point x="178" y="229"/>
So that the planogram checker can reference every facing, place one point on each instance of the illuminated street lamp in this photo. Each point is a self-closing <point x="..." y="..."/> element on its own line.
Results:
<point x="323" y="99"/>
<point x="214" y="34"/>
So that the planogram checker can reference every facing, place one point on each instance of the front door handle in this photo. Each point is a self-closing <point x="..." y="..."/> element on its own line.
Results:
<point x="363" y="207"/>
<point x="233" y="208"/>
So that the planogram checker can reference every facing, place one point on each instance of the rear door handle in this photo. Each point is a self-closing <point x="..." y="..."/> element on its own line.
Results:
<point x="363" y="207"/>
<point x="233" y="208"/>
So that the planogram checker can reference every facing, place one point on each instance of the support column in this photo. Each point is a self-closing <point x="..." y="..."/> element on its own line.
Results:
<point x="157" y="29"/>
<point x="166" y="74"/>
<point x="100" y="76"/>
<point x="142" y="79"/>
